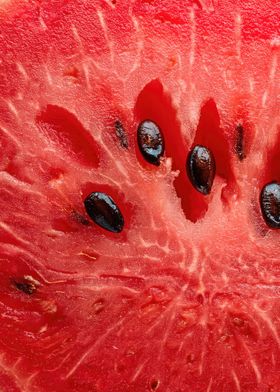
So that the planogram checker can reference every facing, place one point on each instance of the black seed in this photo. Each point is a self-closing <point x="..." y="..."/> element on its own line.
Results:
<point x="239" y="146"/>
<point x="270" y="204"/>
<point x="104" y="212"/>
<point x="150" y="141"/>
<point x="201" y="168"/>
<point x="121" y="134"/>
<point x="25" y="286"/>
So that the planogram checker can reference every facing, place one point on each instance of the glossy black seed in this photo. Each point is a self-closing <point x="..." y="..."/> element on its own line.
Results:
<point x="270" y="204"/>
<point x="104" y="212"/>
<point x="121" y="134"/>
<point x="201" y="168"/>
<point x="239" y="145"/>
<point x="150" y="141"/>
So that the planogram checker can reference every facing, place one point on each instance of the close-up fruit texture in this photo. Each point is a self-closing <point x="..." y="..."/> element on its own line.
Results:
<point x="140" y="196"/>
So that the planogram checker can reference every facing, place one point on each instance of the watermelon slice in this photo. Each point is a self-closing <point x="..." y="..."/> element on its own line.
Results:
<point x="140" y="203"/>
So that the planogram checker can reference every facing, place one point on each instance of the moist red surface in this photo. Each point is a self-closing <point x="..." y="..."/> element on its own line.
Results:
<point x="186" y="298"/>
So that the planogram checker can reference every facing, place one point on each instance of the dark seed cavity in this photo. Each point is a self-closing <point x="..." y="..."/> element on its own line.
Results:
<point x="239" y="146"/>
<point x="121" y="134"/>
<point x="25" y="285"/>
<point x="150" y="142"/>
<point x="270" y="204"/>
<point x="98" y="306"/>
<point x="104" y="212"/>
<point x="201" y="169"/>
<point x="154" y="385"/>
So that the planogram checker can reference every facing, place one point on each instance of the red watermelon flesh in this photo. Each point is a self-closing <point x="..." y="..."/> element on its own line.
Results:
<point x="186" y="297"/>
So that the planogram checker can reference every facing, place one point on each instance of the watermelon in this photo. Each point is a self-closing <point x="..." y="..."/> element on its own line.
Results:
<point x="140" y="196"/>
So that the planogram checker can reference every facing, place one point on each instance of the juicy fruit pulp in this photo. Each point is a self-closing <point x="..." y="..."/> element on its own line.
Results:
<point x="186" y="297"/>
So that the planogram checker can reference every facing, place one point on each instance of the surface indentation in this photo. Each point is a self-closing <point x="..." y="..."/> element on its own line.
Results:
<point x="67" y="132"/>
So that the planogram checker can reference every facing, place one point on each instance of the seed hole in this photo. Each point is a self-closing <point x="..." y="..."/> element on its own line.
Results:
<point x="210" y="134"/>
<point x="66" y="131"/>
<point x="26" y="285"/>
<point x="200" y="298"/>
<point x="155" y="105"/>
<point x="121" y="134"/>
<point x="241" y="133"/>
<point x="154" y="385"/>
<point x="239" y="145"/>
<point x="190" y="358"/>
<point x="98" y="306"/>
<point x="71" y="71"/>
<point x="238" y="322"/>
<point x="272" y="164"/>
<point x="53" y="174"/>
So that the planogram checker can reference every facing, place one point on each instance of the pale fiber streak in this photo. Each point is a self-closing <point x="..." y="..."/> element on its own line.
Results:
<point x="236" y="380"/>
<point x="265" y="317"/>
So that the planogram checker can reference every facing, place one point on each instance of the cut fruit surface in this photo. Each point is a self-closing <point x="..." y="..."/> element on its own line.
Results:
<point x="117" y="272"/>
